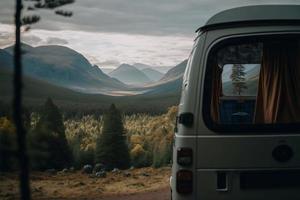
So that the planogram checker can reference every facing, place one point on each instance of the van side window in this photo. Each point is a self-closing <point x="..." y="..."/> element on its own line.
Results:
<point x="255" y="82"/>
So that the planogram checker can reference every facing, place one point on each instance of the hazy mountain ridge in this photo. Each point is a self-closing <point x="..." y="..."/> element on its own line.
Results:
<point x="170" y="83"/>
<point x="65" y="67"/>
<point x="152" y="74"/>
<point x="129" y="74"/>
<point x="175" y="72"/>
<point x="36" y="91"/>
<point x="51" y="71"/>
<point x="161" y="69"/>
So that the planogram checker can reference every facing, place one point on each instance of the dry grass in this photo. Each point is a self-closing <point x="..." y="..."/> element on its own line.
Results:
<point x="81" y="186"/>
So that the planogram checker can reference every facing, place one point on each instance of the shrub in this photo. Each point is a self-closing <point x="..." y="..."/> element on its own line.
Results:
<point x="81" y="155"/>
<point x="140" y="157"/>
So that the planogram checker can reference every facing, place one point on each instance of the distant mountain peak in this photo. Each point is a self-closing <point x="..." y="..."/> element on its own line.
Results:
<point x="64" y="67"/>
<point x="153" y="74"/>
<point x="130" y="75"/>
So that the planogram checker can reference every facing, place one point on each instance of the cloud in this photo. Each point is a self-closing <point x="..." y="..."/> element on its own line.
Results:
<point x="6" y="35"/>
<point x="6" y="39"/>
<point x="154" y="17"/>
<point x="56" y="41"/>
<point x="110" y="32"/>
<point x="109" y="63"/>
<point x="31" y="39"/>
<point x="110" y="49"/>
<point x="7" y="11"/>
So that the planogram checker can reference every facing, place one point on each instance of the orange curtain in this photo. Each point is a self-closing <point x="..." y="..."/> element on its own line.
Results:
<point x="278" y="99"/>
<point x="216" y="92"/>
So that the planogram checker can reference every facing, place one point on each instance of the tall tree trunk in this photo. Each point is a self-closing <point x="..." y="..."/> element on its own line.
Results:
<point x="17" y="105"/>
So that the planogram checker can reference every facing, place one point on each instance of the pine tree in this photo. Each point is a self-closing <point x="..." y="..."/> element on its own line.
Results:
<point x="51" y="118"/>
<point x="111" y="147"/>
<point x="238" y="79"/>
<point x="21" y="132"/>
<point x="50" y="139"/>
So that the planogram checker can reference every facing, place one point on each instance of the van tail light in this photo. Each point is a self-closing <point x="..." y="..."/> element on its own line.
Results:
<point x="184" y="182"/>
<point x="185" y="156"/>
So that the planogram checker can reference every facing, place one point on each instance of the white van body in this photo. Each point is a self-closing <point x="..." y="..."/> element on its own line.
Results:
<point x="225" y="164"/>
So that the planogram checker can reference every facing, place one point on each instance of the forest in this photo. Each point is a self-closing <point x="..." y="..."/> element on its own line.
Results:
<point x="58" y="141"/>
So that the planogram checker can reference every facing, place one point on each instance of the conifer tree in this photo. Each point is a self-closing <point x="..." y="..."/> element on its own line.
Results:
<point x="49" y="137"/>
<point x="51" y="118"/>
<point x="238" y="79"/>
<point x="17" y="102"/>
<point x="111" y="147"/>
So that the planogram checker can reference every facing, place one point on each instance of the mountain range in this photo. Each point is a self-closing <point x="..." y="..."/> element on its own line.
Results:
<point x="37" y="91"/>
<point x="68" y="77"/>
<point x="63" y="67"/>
<point x="170" y="83"/>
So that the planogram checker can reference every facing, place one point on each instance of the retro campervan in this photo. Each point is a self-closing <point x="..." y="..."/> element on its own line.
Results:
<point x="237" y="131"/>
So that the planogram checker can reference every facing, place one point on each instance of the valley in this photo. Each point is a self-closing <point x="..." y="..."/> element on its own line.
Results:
<point x="74" y="83"/>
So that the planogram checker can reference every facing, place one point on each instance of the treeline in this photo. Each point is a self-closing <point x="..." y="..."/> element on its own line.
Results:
<point x="112" y="139"/>
<point x="72" y="109"/>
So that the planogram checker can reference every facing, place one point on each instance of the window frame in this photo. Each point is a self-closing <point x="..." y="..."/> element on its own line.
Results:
<point x="277" y="128"/>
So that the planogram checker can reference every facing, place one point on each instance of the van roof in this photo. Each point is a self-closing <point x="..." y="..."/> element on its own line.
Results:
<point x="243" y="16"/>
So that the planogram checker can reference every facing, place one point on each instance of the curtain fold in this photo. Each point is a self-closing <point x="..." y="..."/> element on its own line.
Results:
<point x="217" y="92"/>
<point x="278" y="98"/>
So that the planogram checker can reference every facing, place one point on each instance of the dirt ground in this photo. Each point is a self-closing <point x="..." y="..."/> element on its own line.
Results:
<point x="145" y="183"/>
<point x="159" y="194"/>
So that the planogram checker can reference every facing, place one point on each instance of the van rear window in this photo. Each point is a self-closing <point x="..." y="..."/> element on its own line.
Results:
<point x="253" y="82"/>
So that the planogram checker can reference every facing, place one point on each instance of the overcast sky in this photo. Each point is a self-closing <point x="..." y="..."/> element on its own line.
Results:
<point x="110" y="32"/>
